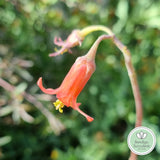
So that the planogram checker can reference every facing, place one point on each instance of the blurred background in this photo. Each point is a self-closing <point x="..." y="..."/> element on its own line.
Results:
<point x="30" y="127"/>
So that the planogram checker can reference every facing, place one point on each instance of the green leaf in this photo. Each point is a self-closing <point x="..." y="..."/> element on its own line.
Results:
<point x="20" y="88"/>
<point x="5" y="140"/>
<point x="5" y="110"/>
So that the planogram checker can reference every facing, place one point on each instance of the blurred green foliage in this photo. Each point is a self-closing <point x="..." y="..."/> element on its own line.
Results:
<point x="27" y="30"/>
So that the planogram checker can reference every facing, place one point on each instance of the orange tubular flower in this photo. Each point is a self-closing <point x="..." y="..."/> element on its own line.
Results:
<point x="73" y="40"/>
<point x="75" y="81"/>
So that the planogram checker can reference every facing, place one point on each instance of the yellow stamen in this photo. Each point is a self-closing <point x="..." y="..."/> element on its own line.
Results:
<point x="64" y="51"/>
<point x="56" y="49"/>
<point x="59" y="105"/>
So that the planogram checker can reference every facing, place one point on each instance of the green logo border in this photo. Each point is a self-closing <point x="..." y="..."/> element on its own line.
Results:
<point x="140" y="128"/>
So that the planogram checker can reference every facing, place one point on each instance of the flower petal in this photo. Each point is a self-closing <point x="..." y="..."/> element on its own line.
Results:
<point x="58" y="41"/>
<point x="48" y="90"/>
<point x="89" y="119"/>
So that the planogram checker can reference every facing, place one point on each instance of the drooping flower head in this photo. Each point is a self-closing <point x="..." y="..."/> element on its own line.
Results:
<point x="73" y="40"/>
<point x="75" y="81"/>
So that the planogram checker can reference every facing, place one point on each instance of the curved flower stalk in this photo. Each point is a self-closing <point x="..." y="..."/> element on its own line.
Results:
<point x="75" y="81"/>
<point x="76" y="38"/>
